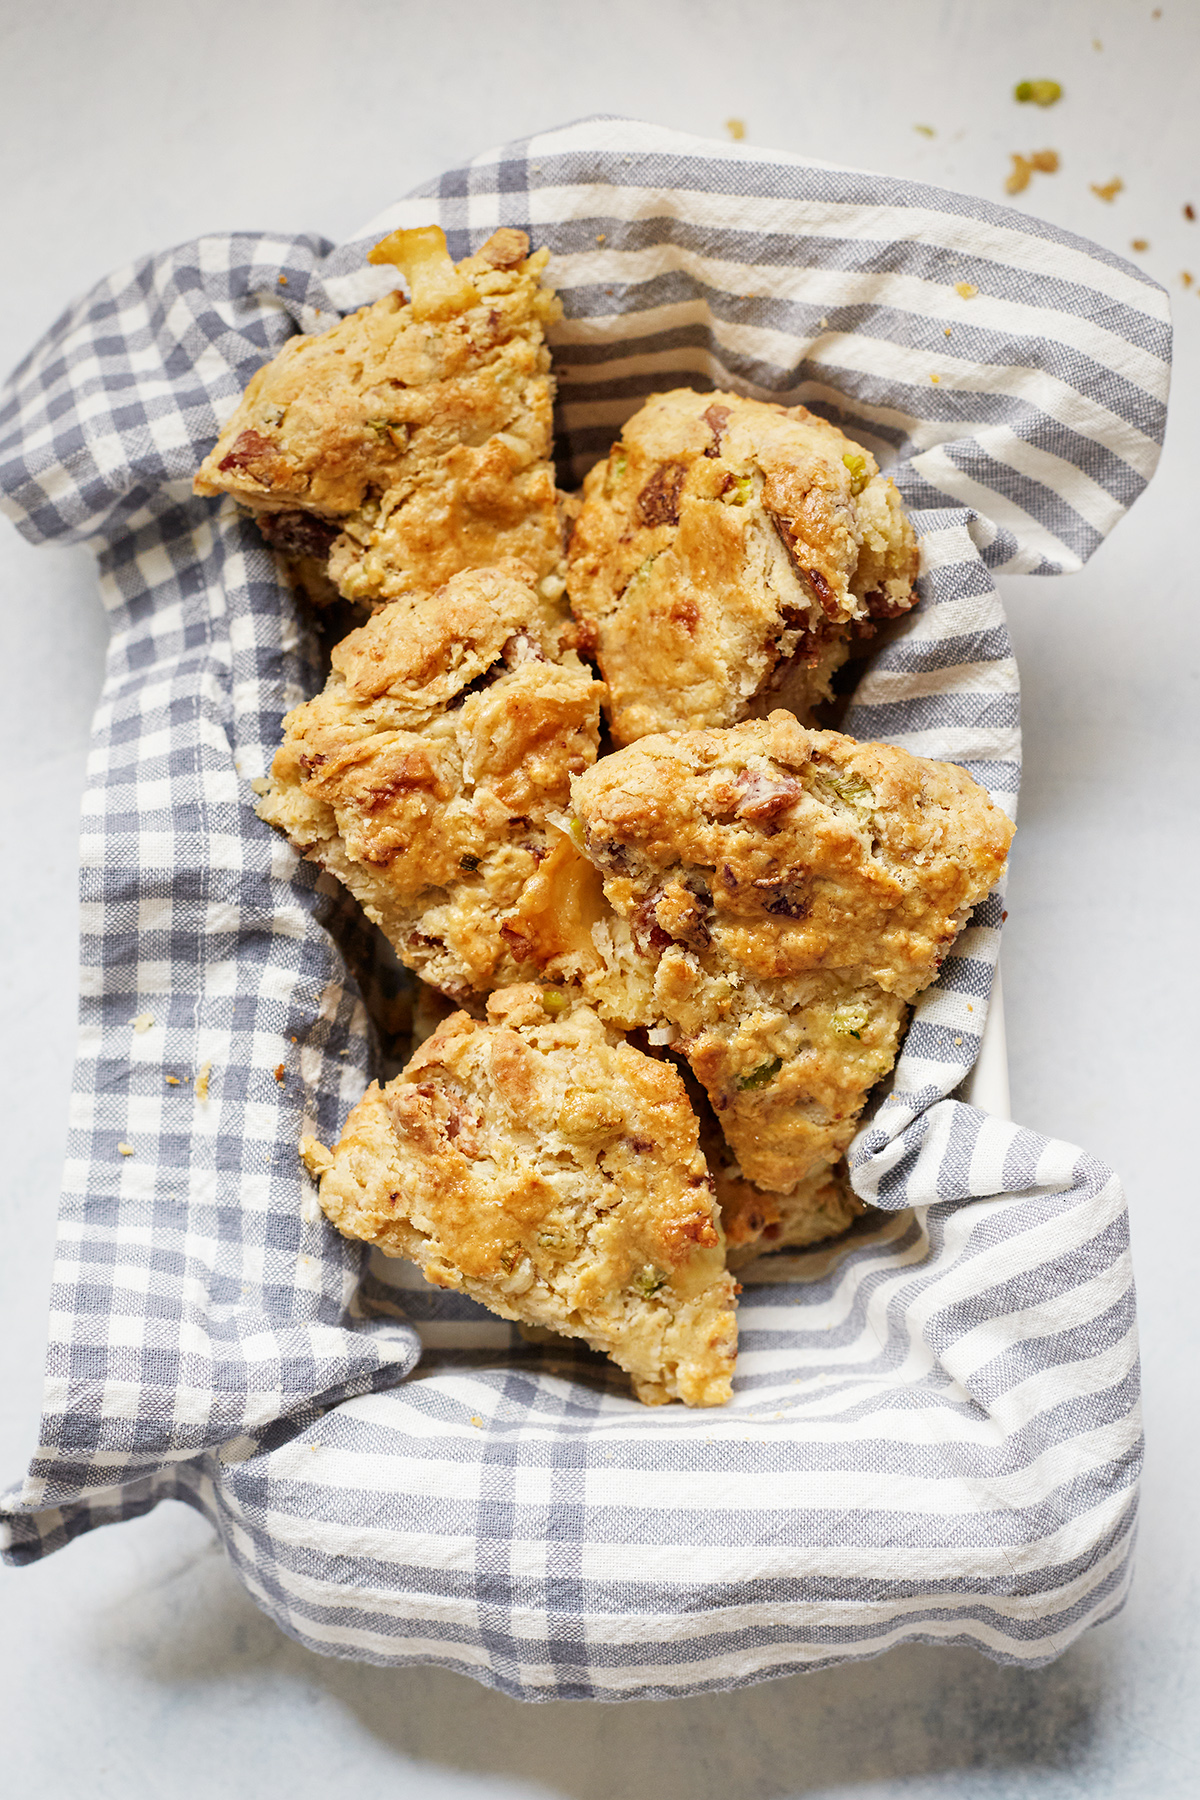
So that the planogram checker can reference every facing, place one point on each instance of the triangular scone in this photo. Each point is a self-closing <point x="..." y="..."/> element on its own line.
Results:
<point x="414" y="438"/>
<point x="424" y="775"/>
<point x="783" y="894"/>
<point x="544" y="1167"/>
<point x="725" y="551"/>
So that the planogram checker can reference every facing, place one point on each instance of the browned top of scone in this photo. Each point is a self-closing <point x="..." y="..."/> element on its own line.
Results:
<point x="427" y="771"/>
<point x="721" y="540"/>
<point x="338" y="417"/>
<point x="541" y="1164"/>
<point x="771" y="849"/>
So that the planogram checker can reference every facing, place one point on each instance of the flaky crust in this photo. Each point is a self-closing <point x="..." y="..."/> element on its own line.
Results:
<point x="404" y="449"/>
<point x="782" y="895"/>
<point x="725" y="550"/>
<point x="551" y="1171"/>
<point x="426" y="774"/>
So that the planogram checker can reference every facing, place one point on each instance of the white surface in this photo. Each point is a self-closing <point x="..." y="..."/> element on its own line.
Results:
<point x="131" y="1664"/>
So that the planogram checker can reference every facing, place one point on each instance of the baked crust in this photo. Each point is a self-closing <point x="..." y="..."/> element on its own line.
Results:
<point x="782" y="894"/>
<point x="725" y="550"/>
<point x="412" y="440"/>
<point x="426" y="775"/>
<point x="551" y="1171"/>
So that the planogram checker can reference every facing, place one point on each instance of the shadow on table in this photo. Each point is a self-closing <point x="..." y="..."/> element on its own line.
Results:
<point x="916" y="1711"/>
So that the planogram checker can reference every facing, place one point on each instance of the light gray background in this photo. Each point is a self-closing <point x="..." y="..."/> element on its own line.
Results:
<point x="132" y="1664"/>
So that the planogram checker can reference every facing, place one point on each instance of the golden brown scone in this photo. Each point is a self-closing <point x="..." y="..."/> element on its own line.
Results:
<point x="725" y="550"/>
<point x="551" y="1171"/>
<point x="425" y="774"/>
<point x="414" y="438"/>
<point x="782" y="894"/>
<point x="823" y="1205"/>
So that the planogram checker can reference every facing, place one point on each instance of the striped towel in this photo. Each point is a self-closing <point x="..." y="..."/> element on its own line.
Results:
<point x="935" y="1433"/>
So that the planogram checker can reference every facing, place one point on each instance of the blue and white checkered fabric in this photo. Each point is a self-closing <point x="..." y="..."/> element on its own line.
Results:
<point x="935" y="1433"/>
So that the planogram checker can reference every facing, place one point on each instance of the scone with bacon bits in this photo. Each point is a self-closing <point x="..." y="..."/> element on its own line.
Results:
<point x="414" y="438"/>
<point x="725" y="551"/>
<point x="782" y="894"/>
<point x="424" y="775"/>
<point x="551" y="1171"/>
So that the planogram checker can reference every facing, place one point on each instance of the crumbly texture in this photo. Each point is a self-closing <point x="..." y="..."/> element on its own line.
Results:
<point x="782" y="895"/>
<point x="413" y="439"/>
<point x="725" y="552"/>
<point x="544" y="1167"/>
<point x="820" y="1207"/>
<point x="755" y="1222"/>
<point x="427" y="772"/>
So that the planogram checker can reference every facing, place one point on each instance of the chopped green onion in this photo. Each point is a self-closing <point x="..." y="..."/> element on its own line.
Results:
<point x="859" y="472"/>
<point x="851" y="1020"/>
<point x="618" y="462"/>
<point x="1042" y="93"/>
<point x="762" y="1075"/>
<point x="649" y="1281"/>
<point x="554" y="1000"/>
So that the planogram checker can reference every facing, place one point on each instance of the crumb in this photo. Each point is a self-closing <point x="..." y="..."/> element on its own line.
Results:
<point x="315" y="1157"/>
<point x="143" y="1022"/>
<point x="295" y="1040"/>
<point x="1042" y="93"/>
<point x="935" y="379"/>
<point x="1046" y="161"/>
<point x="1107" y="190"/>
<point x="260" y="785"/>
<point x="1186" y="277"/>
<point x="823" y="322"/>
<point x="966" y="290"/>
<point x="280" y="1073"/>
<point x="958" y="1040"/>
<point x="1189" y="212"/>
<point x="1018" y="180"/>
<point x="125" y="1149"/>
<point x="476" y="1420"/>
<point x="1139" y="243"/>
<point x="172" y="1080"/>
<point x="202" y="1081"/>
<point x="946" y="332"/>
<point x="601" y="237"/>
<point x="925" y="130"/>
<point x="736" y="129"/>
<point x="283" y="281"/>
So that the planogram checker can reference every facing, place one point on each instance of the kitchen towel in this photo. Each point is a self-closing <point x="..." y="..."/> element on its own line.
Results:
<point x="935" y="1433"/>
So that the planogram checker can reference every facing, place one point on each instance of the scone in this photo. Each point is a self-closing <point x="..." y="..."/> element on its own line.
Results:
<point x="820" y="1207"/>
<point x="424" y="776"/>
<point x="542" y="1166"/>
<point x="725" y="551"/>
<point x="781" y="895"/>
<point x="413" y="439"/>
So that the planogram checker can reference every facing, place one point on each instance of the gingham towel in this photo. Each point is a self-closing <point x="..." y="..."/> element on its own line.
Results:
<point x="935" y="1433"/>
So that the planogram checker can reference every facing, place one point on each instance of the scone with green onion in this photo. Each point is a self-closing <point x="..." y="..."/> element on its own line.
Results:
<point x="427" y="772"/>
<point x="725" y="552"/>
<point x="414" y="438"/>
<point x="546" y="1168"/>
<point x="781" y="895"/>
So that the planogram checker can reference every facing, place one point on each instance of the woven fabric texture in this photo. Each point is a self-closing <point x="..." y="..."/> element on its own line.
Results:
<point x="935" y="1432"/>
